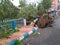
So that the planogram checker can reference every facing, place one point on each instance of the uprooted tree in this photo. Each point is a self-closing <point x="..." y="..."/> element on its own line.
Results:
<point x="44" y="18"/>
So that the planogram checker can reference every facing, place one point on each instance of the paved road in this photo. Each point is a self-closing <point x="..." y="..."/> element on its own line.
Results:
<point x="48" y="36"/>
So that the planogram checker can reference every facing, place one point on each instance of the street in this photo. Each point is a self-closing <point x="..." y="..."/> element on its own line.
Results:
<point x="48" y="35"/>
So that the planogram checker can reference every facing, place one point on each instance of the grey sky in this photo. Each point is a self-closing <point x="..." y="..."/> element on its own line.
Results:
<point x="16" y="2"/>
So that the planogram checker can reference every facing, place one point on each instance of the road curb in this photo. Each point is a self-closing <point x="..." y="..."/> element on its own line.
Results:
<point x="24" y="36"/>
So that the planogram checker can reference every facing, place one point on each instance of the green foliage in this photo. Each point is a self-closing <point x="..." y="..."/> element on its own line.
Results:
<point x="7" y="10"/>
<point x="40" y="8"/>
<point x="44" y="6"/>
<point x="17" y="42"/>
<point x="27" y="11"/>
<point x="22" y="3"/>
<point x="6" y="33"/>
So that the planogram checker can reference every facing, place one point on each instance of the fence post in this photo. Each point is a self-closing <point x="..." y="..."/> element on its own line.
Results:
<point x="24" y="20"/>
<point x="13" y="25"/>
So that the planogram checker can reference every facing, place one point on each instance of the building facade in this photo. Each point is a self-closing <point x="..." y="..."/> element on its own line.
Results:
<point x="58" y="8"/>
<point x="55" y="6"/>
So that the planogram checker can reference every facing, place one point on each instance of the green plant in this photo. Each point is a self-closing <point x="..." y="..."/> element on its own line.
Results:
<point x="36" y="34"/>
<point x="10" y="32"/>
<point x="6" y="33"/>
<point x="17" y="42"/>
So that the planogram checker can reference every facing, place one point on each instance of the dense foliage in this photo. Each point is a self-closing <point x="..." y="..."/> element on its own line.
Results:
<point x="7" y="10"/>
<point x="28" y="11"/>
<point x="44" y="6"/>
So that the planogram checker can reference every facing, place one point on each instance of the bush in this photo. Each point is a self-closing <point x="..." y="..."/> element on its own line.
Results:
<point x="6" y="33"/>
<point x="17" y="42"/>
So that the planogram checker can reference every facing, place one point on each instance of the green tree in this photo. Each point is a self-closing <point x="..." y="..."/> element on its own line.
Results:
<point x="7" y="10"/>
<point x="40" y="8"/>
<point x="22" y="8"/>
<point x="31" y="12"/>
<point x="44" y="6"/>
<point x="27" y="10"/>
<point x="22" y="3"/>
